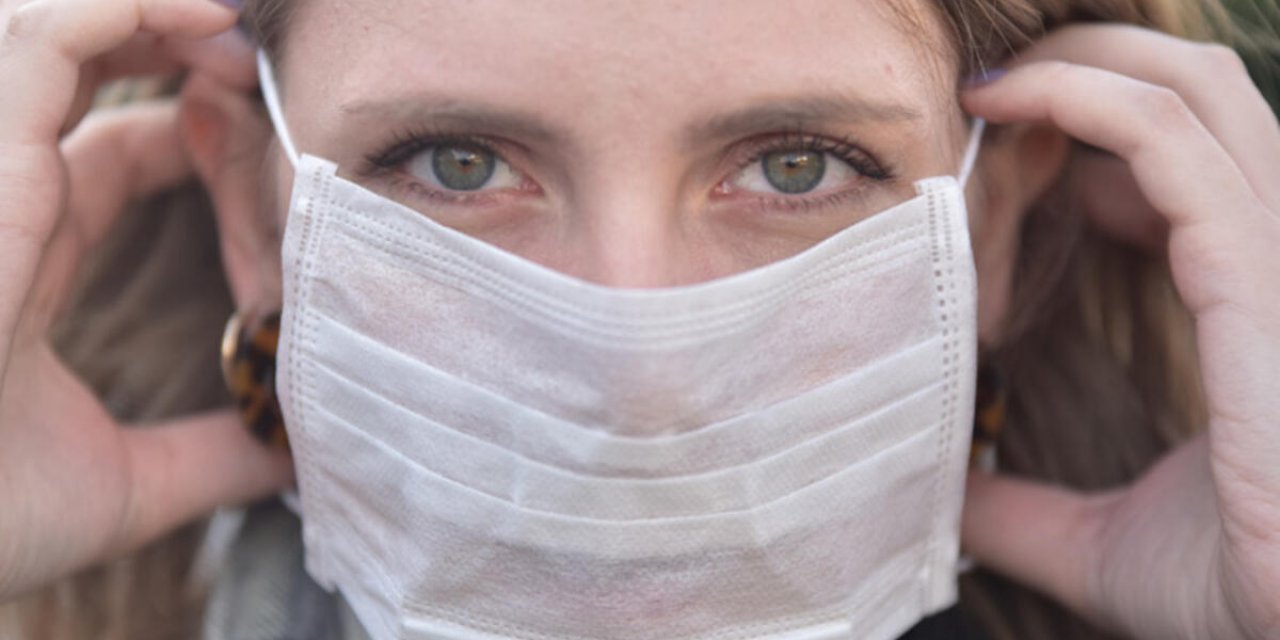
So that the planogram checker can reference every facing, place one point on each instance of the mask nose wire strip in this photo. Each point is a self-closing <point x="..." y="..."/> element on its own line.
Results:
<point x="971" y="152"/>
<point x="267" y="78"/>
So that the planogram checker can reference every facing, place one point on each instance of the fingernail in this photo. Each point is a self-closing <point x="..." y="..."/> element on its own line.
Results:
<point x="234" y="5"/>
<point x="235" y="42"/>
<point x="984" y="77"/>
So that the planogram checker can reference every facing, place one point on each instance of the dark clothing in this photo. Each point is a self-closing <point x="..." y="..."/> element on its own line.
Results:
<point x="950" y="624"/>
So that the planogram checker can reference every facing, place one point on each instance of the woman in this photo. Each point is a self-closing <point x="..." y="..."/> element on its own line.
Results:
<point x="1187" y="550"/>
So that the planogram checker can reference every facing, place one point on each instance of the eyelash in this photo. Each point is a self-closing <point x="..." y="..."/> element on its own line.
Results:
<point x="408" y="143"/>
<point x="843" y="148"/>
<point x="863" y="162"/>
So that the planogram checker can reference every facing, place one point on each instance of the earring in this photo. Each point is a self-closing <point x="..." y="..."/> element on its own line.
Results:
<point x="249" y="369"/>
<point x="988" y="417"/>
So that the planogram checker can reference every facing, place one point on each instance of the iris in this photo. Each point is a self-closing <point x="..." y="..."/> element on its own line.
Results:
<point x="462" y="168"/>
<point x="794" y="171"/>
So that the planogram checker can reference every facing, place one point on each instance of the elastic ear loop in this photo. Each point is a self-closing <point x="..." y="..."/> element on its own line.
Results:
<point x="971" y="152"/>
<point x="985" y="458"/>
<point x="267" y="78"/>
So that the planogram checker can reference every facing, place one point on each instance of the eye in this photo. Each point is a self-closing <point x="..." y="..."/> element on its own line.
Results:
<point x="794" y="172"/>
<point x="461" y="167"/>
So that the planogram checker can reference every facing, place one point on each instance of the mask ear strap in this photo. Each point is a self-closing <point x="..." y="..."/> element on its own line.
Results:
<point x="267" y="77"/>
<point x="971" y="152"/>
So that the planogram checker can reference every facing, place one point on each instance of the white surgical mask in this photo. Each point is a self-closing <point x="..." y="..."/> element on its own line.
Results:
<point x="487" y="448"/>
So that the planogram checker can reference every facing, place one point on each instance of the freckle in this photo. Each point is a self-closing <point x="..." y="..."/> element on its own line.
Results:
<point x="888" y="69"/>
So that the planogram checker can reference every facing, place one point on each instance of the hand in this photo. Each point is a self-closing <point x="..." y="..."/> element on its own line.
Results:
<point x="75" y="487"/>
<point x="1192" y="549"/>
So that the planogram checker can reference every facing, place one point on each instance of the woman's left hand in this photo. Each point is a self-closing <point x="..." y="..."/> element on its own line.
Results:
<point x="1192" y="549"/>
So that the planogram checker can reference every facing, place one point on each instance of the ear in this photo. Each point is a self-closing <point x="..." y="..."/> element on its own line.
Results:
<point x="1017" y="165"/>
<point x="227" y="135"/>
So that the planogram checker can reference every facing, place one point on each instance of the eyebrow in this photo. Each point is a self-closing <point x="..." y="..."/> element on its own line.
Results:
<point x="797" y="111"/>
<point x="771" y="114"/>
<point x="424" y="107"/>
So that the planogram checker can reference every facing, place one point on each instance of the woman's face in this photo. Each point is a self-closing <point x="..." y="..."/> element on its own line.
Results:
<point x="636" y="143"/>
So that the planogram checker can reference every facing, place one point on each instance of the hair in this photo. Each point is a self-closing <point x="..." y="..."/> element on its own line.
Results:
<point x="1097" y="342"/>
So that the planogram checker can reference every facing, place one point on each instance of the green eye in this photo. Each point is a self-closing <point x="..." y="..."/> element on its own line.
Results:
<point x="794" y="171"/>
<point x="462" y="168"/>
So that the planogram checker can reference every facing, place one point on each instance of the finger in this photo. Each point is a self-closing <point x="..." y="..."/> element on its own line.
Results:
<point x="181" y="471"/>
<point x="227" y="57"/>
<point x="143" y="55"/>
<point x="1041" y="536"/>
<point x="1181" y="168"/>
<point x="118" y="156"/>
<point x="1212" y="80"/>
<point x="42" y="46"/>
<point x="46" y="41"/>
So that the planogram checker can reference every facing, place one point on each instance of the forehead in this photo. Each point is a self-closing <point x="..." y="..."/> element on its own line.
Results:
<point x="654" y="55"/>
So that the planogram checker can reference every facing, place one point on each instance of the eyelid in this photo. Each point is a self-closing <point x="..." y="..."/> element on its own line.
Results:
<point x="407" y="144"/>
<point x="872" y="175"/>
<point x="863" y="161"/>
<point x="387" y="164"/>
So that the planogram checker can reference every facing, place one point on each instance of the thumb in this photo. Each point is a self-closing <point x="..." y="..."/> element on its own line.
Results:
<point x="1041" y="536"/>
<point x="186" y="469"/>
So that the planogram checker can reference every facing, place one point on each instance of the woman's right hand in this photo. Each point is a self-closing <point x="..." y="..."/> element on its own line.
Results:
<point x="75" y="487"/>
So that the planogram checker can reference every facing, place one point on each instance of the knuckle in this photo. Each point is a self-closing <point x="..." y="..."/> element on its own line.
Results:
<point x="100" y="126"/>
<point x="25" y="23"/>
<point x="1164" y="108"/>
<point x="32" y="190"/>
<point x="1220" y="60"/>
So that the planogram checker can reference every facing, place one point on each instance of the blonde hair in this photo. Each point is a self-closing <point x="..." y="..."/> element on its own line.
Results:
<point x="1098" y="345"/>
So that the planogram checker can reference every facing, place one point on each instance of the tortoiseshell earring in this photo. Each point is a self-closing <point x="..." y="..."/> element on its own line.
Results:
<point x="249" y="369"/>
<point x="989" y="411"/>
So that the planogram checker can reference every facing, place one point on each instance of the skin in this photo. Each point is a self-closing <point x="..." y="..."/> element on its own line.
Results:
<point x="625" y="197"/>
<point x="625" y="170"/>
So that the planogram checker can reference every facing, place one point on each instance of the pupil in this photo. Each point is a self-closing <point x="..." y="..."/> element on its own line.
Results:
<point x="462" y="168"/>
<point x="794" y="171"/>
